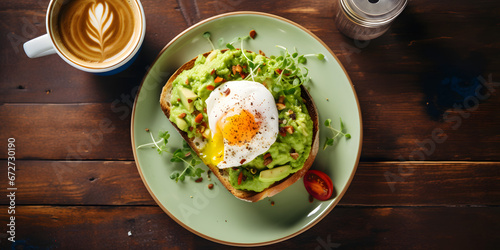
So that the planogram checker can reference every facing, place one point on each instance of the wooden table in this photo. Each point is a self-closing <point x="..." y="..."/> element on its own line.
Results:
<point x="429" y="174"/>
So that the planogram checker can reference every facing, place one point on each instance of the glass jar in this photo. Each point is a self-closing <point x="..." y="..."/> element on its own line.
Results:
<point x="366" y="19"/>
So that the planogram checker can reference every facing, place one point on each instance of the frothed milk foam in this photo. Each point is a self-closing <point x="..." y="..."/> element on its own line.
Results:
<point x="97" y="33"/>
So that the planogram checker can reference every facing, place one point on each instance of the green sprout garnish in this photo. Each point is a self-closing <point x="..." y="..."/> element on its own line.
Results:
<point x="241" y="39"/>
<point x="336" y="133"/>
<point x="291" y="75"/>
<point x="207" y="36"/>
<point x="186" y="155"/>
<point x="289" y="66"/>
<point x="302" y="59"/>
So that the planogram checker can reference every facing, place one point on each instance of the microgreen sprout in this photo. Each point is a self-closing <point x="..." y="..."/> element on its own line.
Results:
<point x="185" y="155"/>
<point x="336" y="133"/>
<point x="207" y="36"/>
<point x="289" y="66"/>
<point x="241" y="39"/>
<point x="302" y="59"/>
<point x="252" y="72"/>
<point x="163" y="137"/>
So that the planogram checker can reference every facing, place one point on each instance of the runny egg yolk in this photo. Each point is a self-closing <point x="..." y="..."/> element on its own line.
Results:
<point x="213" y="152"/>
<point x="237" y="129"/>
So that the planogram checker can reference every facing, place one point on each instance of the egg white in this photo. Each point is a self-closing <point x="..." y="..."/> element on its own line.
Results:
<point x="231" y="98"/>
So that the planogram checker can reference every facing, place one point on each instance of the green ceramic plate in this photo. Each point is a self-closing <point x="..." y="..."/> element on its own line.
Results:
<point x="216" y="214"/>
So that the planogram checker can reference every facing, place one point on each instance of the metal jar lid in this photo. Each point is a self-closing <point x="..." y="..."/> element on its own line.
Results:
<point x="373" y="13"/>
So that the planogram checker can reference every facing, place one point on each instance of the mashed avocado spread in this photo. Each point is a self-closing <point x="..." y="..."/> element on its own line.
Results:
<point x="287" y="155"/>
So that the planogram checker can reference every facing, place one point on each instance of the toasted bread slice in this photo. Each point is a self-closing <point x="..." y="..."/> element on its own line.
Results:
<point x="275" y="188"/>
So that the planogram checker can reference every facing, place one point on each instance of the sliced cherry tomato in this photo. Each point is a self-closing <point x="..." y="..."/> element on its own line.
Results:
<point x="318" y="184"/>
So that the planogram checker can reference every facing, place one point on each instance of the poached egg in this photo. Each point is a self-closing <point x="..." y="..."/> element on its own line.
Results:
<point x="243" y="120"/>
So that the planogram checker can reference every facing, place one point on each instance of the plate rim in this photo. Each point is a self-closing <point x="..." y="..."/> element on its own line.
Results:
<point x="338" y="197"/>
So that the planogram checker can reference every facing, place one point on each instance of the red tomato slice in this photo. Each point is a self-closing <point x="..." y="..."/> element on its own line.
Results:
<point x="318" y="184"/>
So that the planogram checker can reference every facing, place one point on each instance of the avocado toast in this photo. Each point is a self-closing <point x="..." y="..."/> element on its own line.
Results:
<point x="183" y="102"/>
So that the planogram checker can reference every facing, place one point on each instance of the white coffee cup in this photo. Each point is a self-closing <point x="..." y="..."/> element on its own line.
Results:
<point x="96" y="36"/>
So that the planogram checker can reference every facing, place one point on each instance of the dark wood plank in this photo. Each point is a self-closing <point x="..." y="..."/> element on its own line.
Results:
<point x="425" y="184"/>
<point x="345" y="227"/>
<point x="78" y="183"/>
<point x="69" y="131"/>
<point x="399" y="122"/>
<point x="375" y="184"/>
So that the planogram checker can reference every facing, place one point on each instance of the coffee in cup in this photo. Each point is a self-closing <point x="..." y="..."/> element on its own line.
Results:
<point x="99" y="36"/>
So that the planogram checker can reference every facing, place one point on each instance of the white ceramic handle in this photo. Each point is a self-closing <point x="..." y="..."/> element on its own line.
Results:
<point x="40" y="46"/>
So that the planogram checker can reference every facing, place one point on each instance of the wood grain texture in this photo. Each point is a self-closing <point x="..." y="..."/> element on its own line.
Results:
<point x="78" y="183"/>
<point x="90" y="227"/>
<point x="425" y="184"/>
<point x="69" y="131"/>
<point x="428" y="90"/>
<point x="375" y="184"/>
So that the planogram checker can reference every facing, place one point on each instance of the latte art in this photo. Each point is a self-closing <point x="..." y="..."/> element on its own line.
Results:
<point x="98" y="31"/>
<point x="98" y="25"/>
